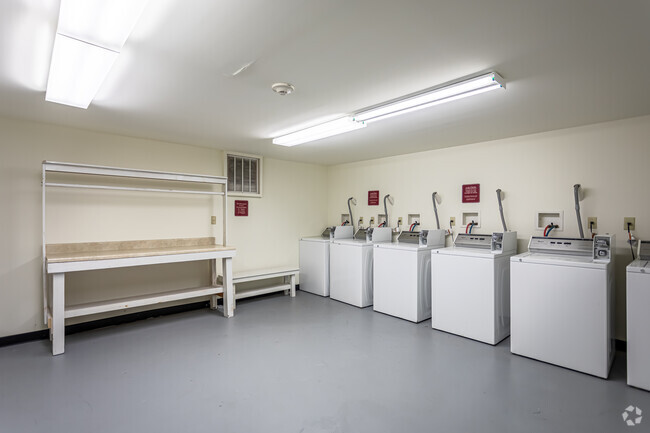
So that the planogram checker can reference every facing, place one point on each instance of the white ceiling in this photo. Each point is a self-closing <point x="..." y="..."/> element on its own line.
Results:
<point x="566" y="63"/>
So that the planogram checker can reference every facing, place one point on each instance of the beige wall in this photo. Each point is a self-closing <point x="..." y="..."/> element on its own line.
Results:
<point x="536" y="172"/>
<point x="292" y="205"/>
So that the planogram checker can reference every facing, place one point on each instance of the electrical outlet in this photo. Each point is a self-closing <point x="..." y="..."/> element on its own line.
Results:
<point x="452" y="221"/>
<point x="592" y="223"/>
<point x="360" y="220"/>
<point x="372" y="221"/>
<point x="631" y="220"/>
<point x="399" y="221"/>
<point x="213" y="219"/>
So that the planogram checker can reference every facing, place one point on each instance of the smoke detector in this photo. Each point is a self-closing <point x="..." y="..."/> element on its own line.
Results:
<point x="283" y="88"/>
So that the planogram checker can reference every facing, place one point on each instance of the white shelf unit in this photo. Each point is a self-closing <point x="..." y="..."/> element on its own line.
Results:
<point x="55" y="314"/>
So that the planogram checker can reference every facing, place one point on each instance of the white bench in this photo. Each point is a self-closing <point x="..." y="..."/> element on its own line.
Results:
<point x="288" y="286"/>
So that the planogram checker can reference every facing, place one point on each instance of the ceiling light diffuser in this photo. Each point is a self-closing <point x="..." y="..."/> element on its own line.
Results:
<point x="105" y="23"/>
<point x="406" y="104"/>
<point x="434" y="96"/>
<point x="89" y="37"/>
<point x="77" y="71"/>
<point x="327" y="129"/>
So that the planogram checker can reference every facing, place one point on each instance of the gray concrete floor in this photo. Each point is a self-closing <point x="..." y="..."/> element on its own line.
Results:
<point x="302" y="365"/>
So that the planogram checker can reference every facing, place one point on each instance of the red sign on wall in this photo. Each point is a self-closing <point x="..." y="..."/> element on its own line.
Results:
<point x="373" y="198"/>
<point x="241" y="207"/>
<point x="472" y="193"/>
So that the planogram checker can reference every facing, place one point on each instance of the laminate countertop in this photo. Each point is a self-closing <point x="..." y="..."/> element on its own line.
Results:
<point x="88" y="251"/>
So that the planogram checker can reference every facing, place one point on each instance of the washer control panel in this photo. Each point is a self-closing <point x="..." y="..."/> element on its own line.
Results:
<point x="338" y="232"/>
<point x="569" y="246"/>
<point x="410" y="238"/>
<point x="473" y="241"/>
<point x="328" y="232"/>
<point x="363" y="234"/>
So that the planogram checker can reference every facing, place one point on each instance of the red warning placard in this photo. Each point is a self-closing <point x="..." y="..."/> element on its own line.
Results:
<point x="373" y="198"/>
<point x="472" y="193"/>
<point x="241" y="207"/>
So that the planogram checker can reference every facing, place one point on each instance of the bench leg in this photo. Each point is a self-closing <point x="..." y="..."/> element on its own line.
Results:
<point x="57" y="331"/>
<point x="285" y="280"/>
<point x="228" y="289"/>
<point x="293" y="285"/>
<point x="213" y="272"/>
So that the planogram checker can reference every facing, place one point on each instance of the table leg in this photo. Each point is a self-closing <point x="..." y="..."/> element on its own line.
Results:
<point x="58" y="314"/>
<point x="213" y="273"/>
<point x="228" y="289"/>
<point x="293" y="285"/>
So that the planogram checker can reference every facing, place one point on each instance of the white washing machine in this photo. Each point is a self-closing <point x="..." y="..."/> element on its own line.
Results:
<point x="315" y="259"/>
<point x="351" y="266"/>
<point x="402" y="275"/>
<point x="638" y="319"/>
<point x="562" y="298"/>
<point x="470" y="286"/>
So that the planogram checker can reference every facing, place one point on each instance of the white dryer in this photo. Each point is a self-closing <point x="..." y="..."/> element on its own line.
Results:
<point x="402" y="275"/>
<point x="562" y="298"/>
<point x="315" y="259"/>
<point x="470" y="286"/>
<point x="638" y="319"/>
<point x="351" y="266"/>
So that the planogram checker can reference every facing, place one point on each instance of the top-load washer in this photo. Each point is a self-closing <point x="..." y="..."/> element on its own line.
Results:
<point x="562" y="297"/>
<point x="351" y="266"/>
<point x="470" y="286"/>
<point x="402" y="274"/>
<point x="638" y="319"/>
<point x="315" y="259"/>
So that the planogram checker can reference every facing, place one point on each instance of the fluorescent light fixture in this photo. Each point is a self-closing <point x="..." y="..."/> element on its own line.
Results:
<point x="406" y="104"/>
<point x="77" y="71"/>
<point x="105" y="23"/>
<point x="327" y="129"/>
<point x="89" y="38"/>
<point x="434" y="96"/>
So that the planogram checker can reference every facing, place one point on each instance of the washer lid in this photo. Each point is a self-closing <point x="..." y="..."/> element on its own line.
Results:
<point x="404" y="246"/>
<point x="353" y="242"/>
<point x="639" y="266"/>
<point x="469" y="252"/>
<point x="316" y="239"/>
<point x="558" y="260"/>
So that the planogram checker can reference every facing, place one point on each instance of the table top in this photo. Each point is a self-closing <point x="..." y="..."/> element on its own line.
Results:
<point x="89" y="251"/>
